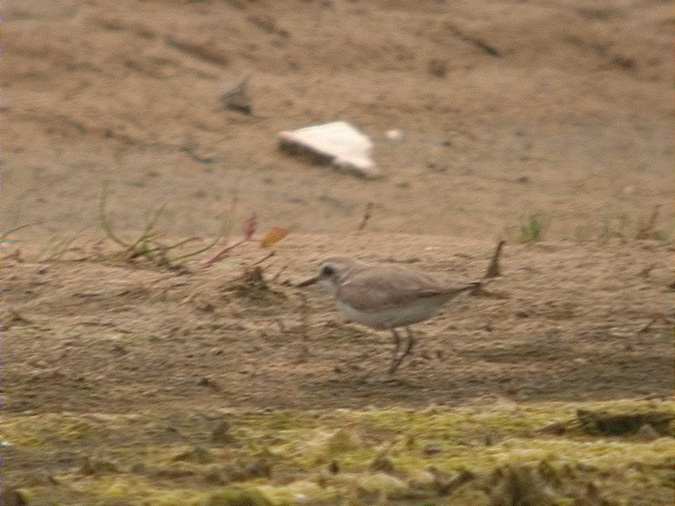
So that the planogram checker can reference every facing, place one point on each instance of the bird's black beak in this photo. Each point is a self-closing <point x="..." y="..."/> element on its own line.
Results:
<point x="308" y="282"/>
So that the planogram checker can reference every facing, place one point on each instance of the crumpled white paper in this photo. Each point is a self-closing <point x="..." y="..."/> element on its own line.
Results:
<point x="338" y="141"/>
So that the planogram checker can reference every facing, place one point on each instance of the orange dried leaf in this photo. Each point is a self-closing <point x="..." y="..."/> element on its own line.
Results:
<point x="272" y="237"/>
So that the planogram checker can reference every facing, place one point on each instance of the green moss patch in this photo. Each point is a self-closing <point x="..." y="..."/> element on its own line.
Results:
<point x="526" y="454"/>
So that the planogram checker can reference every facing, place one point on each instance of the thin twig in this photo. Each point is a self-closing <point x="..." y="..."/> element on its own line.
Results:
<point x="230" y="222"/>
<point x="264" y="259"/>
<point x="63" y="246"/>
<point x="104" y="219"/>
<point x="223" y="252"/>
<point x="493" y="269"/>
<point x="276" y="276"/>
<point x="169" y="247"/>
<point x="470" y="39"/>
<point x="249" y="230"/>
<point x="9" y="232"/>
<point x="200" y="250"/>
<point x="224" y="232"/>
<point x="366" y="216"/>
<point x="147" y="234"/>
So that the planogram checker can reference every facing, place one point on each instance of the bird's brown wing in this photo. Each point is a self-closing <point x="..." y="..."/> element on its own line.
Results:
<point x="377" y="289"/>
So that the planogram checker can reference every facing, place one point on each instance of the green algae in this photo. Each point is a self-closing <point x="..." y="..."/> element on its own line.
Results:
<point x="234" y="497"/>
<point x="371" y="455"/>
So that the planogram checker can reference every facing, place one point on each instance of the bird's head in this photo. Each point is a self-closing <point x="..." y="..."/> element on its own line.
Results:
<point x="332" y="272"/>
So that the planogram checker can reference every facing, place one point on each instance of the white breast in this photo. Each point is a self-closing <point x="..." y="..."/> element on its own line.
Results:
<point x="418" y="311"/>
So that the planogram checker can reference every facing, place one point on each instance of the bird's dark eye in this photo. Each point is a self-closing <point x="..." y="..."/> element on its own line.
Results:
<point x="327" y="271"/>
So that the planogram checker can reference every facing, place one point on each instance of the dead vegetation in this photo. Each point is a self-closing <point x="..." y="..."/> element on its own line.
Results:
<point x="536" y="227"/>
<point x="171" y="255"/>
<point x="494" y="269"/>
<point x="629" y="228"/>
<point x="147" y="245"/>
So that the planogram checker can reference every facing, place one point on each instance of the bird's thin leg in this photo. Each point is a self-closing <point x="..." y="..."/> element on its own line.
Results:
<point x="397" y="361"/>
<point x="397" y="346"/>
<point x="411" y="343"/>
<point x="397" y="341"/>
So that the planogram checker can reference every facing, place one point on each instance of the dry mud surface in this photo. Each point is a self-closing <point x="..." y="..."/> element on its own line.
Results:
<point x="126" y="382"/>
<point x="565" y="322"/>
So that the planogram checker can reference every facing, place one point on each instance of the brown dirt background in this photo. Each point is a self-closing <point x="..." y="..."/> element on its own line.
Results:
<point x="578" y="105"/>
<point x="568" y="115"/>
<point x="106" y="336"/>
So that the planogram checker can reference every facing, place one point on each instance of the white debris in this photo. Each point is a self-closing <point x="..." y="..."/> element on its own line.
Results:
<point x="338" y="142"/>
<point x="394" y="135"/>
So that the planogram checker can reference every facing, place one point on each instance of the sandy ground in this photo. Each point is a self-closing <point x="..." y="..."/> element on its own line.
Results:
<point x="572" y="117"/>
<point x="87" y="335"/>
<point x="546" y="123"/>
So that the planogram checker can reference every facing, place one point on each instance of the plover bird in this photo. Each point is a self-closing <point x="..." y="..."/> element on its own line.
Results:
<point x="385" y="297"/>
